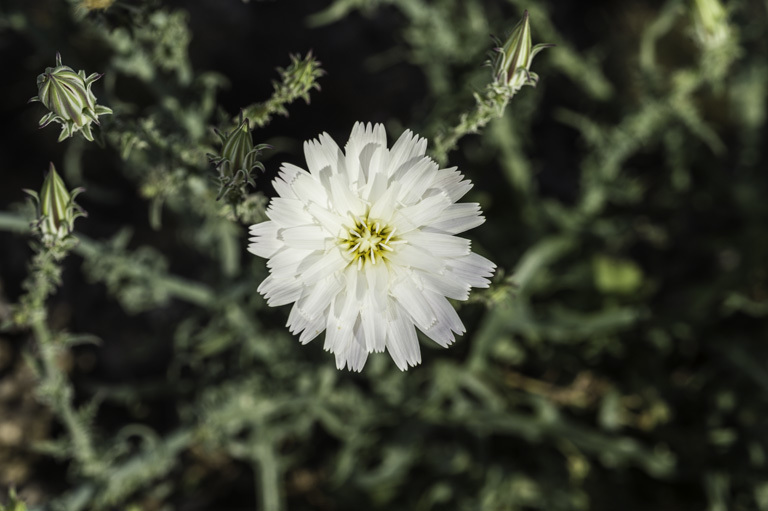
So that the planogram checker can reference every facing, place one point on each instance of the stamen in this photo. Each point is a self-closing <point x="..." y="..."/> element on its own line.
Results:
<point x="368" y="241"/>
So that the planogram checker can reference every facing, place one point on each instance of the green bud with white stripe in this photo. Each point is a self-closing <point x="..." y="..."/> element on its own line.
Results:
<point x="512" y="64"/>
<point x="67" y="94"/>
<point x="237" y="160"/>
<point x="710" y="20"/>
<point x="56" y="208"/>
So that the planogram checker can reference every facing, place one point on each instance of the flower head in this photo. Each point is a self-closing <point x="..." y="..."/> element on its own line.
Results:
<point x="68" y="96"/>
<point x="56" y="208"/>
<point x="364" y="245"/>
<point x="512" y="64"/>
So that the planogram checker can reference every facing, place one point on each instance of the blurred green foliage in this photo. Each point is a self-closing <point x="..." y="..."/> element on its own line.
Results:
<point x="618" y="361"/>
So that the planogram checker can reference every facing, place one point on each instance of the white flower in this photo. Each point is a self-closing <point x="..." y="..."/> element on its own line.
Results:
<point x="364" y="244"/>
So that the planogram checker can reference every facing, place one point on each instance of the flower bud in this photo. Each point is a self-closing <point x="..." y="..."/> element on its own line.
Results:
<point x="512" y="65"/>
<point x="710" y="21"/>
<point x="56" y="208"/>
<point x="238" y="157"/>
<point x="68" y="96"/>
<point x="96" y="5"/>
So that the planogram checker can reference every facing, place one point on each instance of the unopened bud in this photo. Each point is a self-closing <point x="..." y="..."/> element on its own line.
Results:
<point x="67" y="94"/>
<point x="710" y="20"/>
<point x="56" y="208"/>
<point x="96" y="5"/>
<point x="238" y="158"/>
<point x="15" y="503"/>
<point x="512" y="65"/>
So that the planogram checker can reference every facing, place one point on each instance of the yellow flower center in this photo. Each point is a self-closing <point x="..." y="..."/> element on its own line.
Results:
<point x="368" y="241"/>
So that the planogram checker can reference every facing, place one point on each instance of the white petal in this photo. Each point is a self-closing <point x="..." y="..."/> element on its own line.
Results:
<point x="308" y="237"/>
<point x="364" y="141"/>
<point x="332" y="222"/>
<point x="313" y="329"/>
<point x="446" y="284"/>
<point x="374" y="188"/>
<point x="317" y="298"/>
<point x="343" y="199"/>
<point x="385" y="205"/>
<point x="285" y="179"/>
<point x="341" y="319"/>
<point x="308" y="189"/>
<point x="438" y="244"/>
<point x="309" y="328"/>
<point x="450" y="181"/>
<point x="411" y="299"/>
<point x="322" y="153"/>
<point x="415" y="180"/>
<point x="473" y="269"/>
<point x="447" y="323"/>
<point x="288" y="260"/>
<point x="407" y="147"/>
<point x="288" y="212"/>
<point x="402" y="343"/>
<point x="409" y="256"/>
<point x="421" y="213"/>
<point x="321" y="265"/>
<point x="280" y="291"/>
<point x="264" y="242"/>
<point x="355" y="354"/>
<point x="457" y="218"/>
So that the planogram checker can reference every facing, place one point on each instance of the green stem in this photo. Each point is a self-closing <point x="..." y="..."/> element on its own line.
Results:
<point x="189" y="291"/>
<point x="83" y="450"/>
<point x="268" y="477"/>
<point x="13" y="223"/>
<point x="488" y="107"/>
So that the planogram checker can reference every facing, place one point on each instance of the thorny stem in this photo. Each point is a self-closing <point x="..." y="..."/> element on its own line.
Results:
<point x="489" y="106"/>
<point x="189" y="291"/>
<point x="61" y="402"/>
<point x="44" y="277"/>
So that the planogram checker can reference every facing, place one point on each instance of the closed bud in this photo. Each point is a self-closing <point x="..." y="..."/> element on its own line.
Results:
<point x="710" y="21"/>
<point x="15" y="504"/>
<point x="237" y="160"/>
<point x="512" y="64"/>
<point x="96" y="5"/>
<point x="67" y="94"/>
<point x="56" y="208"/>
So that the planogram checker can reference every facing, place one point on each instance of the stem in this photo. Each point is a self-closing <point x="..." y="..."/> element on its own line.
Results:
<point x="13" y="223"/>
<point x="61" y="400"/>
<point x="487" y="107"/>
<point x="189" y="291"/>
<point x="268" y="477"/>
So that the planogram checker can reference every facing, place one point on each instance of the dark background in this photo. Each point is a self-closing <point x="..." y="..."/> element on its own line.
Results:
<point x="568" y="392"/>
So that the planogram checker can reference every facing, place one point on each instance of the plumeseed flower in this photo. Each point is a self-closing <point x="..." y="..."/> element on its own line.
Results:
<point x="68" y="96"/>
<point x="364" y="244"/>
<point x="512" y="63"/>
<point x="56" y="208"/>
<point x="237" y="160"/>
